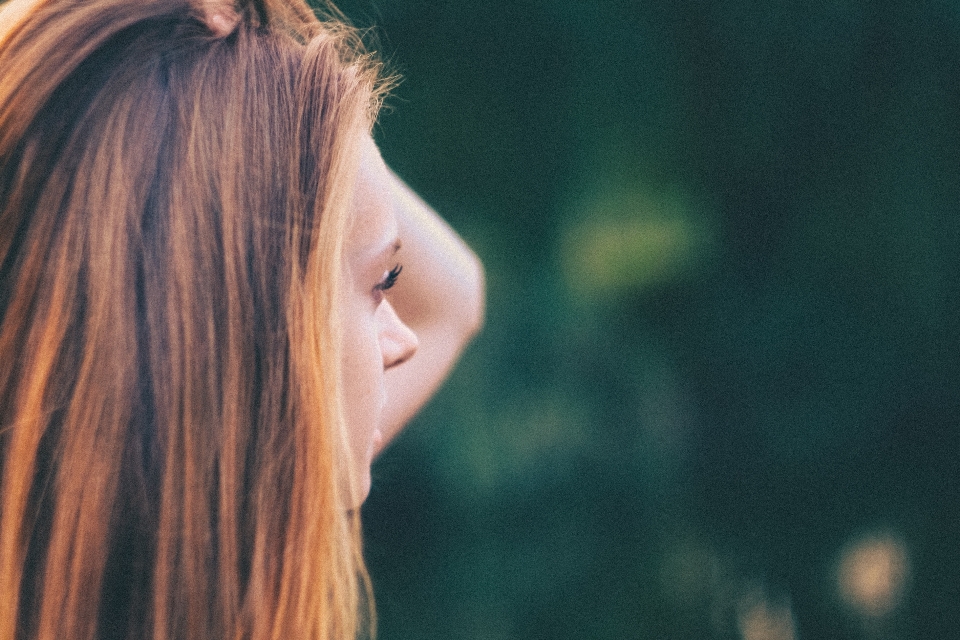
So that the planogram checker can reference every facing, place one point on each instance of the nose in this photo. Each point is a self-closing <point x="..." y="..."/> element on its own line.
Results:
<point x="398" y="342"/>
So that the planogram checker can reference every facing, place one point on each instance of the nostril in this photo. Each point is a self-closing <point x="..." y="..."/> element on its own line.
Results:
<point x="403" y="347"/>
<point x="399" y="342"/>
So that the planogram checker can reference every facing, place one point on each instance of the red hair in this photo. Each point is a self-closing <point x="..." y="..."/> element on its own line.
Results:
<point x="172" y="210"/>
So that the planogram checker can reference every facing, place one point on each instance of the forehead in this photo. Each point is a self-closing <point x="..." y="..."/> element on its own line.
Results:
<point x="373" y="223"/>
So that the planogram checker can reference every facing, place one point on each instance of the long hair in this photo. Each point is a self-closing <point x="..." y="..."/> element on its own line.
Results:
<point x="172" y="212"/>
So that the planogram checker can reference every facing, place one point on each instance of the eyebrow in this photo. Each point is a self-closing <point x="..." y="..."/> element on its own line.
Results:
<point x="391" y="248"/>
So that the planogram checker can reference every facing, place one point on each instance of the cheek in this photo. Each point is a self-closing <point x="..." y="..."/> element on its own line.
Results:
<point x="362" y="372"/>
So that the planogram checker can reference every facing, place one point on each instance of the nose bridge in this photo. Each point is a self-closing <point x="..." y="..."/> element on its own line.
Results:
<point x="397" y="340"/>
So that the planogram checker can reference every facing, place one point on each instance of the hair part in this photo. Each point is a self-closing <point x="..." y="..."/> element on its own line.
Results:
<point x="172" y="214"/>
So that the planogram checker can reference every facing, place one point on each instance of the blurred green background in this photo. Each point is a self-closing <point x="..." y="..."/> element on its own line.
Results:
<point x="718" y="390"/>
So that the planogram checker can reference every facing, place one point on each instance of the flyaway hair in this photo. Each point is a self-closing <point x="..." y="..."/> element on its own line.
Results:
<point x="172" y="213"/>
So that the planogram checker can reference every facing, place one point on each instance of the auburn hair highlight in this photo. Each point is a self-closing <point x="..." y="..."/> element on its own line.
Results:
<point x="172" y="213"/>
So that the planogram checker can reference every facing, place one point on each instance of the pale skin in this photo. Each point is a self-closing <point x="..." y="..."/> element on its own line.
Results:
<point x="440" y="296"/>
<point x="403" y="331"/>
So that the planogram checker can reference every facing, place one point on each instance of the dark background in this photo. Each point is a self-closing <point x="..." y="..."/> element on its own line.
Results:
<point x="717" y="391"/>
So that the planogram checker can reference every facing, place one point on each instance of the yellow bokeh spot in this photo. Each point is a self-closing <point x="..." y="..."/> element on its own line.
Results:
<point x="760" y="618"/>
<point x="872" y="574"/>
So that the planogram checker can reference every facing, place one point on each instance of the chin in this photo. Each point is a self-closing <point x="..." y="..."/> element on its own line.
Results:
<point x="359" y="491"/>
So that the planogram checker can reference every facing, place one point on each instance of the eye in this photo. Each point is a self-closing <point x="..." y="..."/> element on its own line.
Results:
<point x="389" y="279"/>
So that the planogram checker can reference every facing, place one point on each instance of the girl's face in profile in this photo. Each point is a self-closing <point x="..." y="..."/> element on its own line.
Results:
<point x="375" y="338"/>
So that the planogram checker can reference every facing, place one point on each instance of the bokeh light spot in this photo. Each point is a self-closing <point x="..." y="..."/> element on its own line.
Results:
<point x="760" y="618"/>
<point x="630" y="239"/>
<point x="872" y="573"/>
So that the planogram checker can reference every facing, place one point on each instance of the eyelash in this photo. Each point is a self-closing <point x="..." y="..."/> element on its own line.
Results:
<point x="389" y="279"/>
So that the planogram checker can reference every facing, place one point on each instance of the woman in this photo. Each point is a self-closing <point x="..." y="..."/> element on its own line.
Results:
<point x="205" y="335"/>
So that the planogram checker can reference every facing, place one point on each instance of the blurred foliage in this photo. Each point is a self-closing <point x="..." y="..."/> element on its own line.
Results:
<point x="718" y="391"/>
